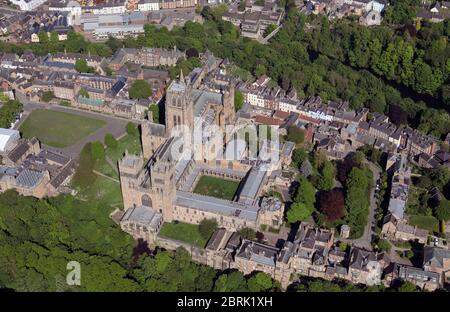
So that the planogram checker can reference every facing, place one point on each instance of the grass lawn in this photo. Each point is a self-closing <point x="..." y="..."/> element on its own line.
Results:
<point x="103" y="189"/>
<point x="130" y="143"/>
<point x="183" y="232"/>
<point x="216" y="187"/>
<point x="58" y="129"/>
<point x="429" y="223"/>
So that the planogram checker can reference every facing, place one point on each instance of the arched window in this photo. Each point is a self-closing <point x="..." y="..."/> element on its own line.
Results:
<point x="179" y="102"/>
<point x="146" y="200"/>
<point x="174" y="102"/>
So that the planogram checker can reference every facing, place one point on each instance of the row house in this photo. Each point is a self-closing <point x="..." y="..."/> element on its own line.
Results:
<point x="176" y="4"/>
<point x="416" y="143"/>
<point x="151" y="57"/>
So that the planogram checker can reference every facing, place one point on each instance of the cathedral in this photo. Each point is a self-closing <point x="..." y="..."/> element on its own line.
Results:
<point x="163" y="182"/>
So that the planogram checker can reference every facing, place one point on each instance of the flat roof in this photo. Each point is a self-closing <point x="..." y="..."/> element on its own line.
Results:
<point x="216" y="205"/>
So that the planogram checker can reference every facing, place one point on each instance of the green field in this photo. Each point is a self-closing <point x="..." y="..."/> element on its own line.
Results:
<point x="58" y="129"/>
<point x="429" y="223"/>
<point x="216" y="187"/>
<point x="183" y="232"/>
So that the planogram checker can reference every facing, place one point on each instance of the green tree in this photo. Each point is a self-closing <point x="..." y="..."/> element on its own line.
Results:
<point x="83" y="93"/>
<point x="443" y="210"/>
<point x="47" y="96"/>
<point x="238" y="100"/>
<point x="43" y="37"/>
<point x="233" y="282"/>
<point x="407" y="286"/>
<point x="140" y="89"/>
<point x="207" y="227"/>
<point x="298" y="212"/>
<point x="154" y="108"/>
<point x="295" y="134"/>
<point x="247" y="233"/>
<point x="260" y="282"/>
<point x="97" y="150"/>
<point x="81" y="66"/>
<point x="132" y="129"/>
<point x="110" y="141"/>
<point x="260" y="70"/>
<point x="298" y="156"/>
<point x="327" y="175"/>
<point x="306" y="193"/>
<point x="384" y="245"/>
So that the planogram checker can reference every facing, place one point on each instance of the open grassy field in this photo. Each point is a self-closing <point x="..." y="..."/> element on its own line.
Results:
<point x="183" y="232"/>
<point x="429" y="223"/>
<point x="58" y="129"/>
<point x="216" y="187"/>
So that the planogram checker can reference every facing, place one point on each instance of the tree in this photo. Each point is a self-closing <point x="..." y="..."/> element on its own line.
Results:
<point x="43" y="37"/>
<point x="140" y="89"/>
<point x="238" y="100"/>
<point x="295" y="134"/>
<point x="110" y="141"/>
<point x="207" y="227"/>
<point x="298" y="156"/>
<point x="443" y="210"/>
<point x="132" y="129"/>
<point x="47" y="96"/>
<point x="298" y="212"/>
<point x="97" y="150"/>
<point x="357" y="199"/>
<point x="260" y="70"/>
<point x="154" y="108"/>
<point x="247" y="233"/>
<point x="233" y="282"/>
<point x="384" y="245"/>
<point x="81" y="66"/>
<point x="260" y="282"/>
<point x="326" y="177"/>
<point x="407" y="286"/>
<point x="83" y="93"/>
<point x="306" y="193"/>
<point x="332" y="204"/>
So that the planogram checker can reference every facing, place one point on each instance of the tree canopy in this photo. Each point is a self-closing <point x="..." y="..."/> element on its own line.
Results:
<point x="140" y="89"/>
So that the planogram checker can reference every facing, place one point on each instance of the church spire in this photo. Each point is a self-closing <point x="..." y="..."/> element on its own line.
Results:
<point x="181" y="76"/>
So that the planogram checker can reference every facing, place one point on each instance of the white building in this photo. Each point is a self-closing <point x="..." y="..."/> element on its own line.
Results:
<point x="8" y="139"/>
<point x="28" y="5"/>
<point x="148" y="5"/>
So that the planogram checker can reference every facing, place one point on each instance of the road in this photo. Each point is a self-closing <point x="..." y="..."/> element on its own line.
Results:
<point x="114" y="125"/>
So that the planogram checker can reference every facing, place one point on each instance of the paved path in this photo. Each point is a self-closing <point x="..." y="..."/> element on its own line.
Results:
<point x="270" y="36"/>
<point x="105" y="176"/>
<point x="114" y="125"/>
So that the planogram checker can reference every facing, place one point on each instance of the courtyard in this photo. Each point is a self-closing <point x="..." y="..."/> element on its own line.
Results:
<point x="185" y="232"/>
<point x="216" y="187"/>
<point x="59" y="129"/>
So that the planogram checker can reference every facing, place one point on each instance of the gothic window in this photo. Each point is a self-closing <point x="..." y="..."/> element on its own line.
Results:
<point x="179" y="120"/>
<point x="179" y="102"/>
<point x="174" y="120"/>
<point x="146" y="200"/>
<point x="174" y="102"/>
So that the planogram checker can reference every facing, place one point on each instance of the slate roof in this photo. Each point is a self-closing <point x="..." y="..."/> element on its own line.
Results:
<point x="29" y="178"/>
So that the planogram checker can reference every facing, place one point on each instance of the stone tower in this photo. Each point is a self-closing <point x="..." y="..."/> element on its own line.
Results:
<point x="179" y="105"/>
<point x="152" y="185"/>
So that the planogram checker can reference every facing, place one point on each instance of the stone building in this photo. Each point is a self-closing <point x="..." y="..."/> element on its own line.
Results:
<point x="146" y="56"/>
